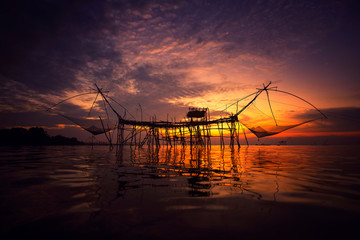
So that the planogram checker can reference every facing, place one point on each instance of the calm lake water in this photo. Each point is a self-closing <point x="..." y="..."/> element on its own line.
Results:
<point x="280" y="192"/>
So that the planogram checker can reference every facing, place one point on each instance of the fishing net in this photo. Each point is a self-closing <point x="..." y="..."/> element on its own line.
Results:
<point x="274" y="112"/>
<point x="267" y="112"/>
<point x="271" y="130"/>
<point x="98" y="107"/>
<point x="94" y="126"/>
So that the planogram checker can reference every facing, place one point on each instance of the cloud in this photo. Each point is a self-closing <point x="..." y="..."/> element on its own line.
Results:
<point x="151" y="85"/>
<point x="46" y="43"/>
<point x="262" y="28"/>
<point x="51" y="46"/>
<point x="165" y="55"/>
<point x="30" y="119"/>
<point x="343" y="119"/>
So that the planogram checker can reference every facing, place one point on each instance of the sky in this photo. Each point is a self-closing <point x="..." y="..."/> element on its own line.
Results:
<point x="165" y="56"/>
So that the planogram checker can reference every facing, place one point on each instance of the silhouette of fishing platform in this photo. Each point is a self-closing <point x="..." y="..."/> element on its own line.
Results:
<point x="198" y="128"/>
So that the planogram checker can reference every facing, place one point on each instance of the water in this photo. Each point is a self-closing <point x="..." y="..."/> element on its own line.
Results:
<point x="284" y="192"/>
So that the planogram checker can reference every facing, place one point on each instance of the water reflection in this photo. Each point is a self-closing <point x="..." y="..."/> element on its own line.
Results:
<point x="84" y="179"/>
<point x="272" y="173"/>
<point x="209" y="172"/>
<point x="80" y="186"/>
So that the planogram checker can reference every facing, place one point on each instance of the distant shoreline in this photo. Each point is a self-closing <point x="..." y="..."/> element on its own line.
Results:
<point x="37" y="136"/>
<point x="34" y="136"/>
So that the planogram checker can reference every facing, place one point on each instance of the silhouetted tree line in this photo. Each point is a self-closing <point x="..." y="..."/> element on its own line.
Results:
<point x="33" y="136"/>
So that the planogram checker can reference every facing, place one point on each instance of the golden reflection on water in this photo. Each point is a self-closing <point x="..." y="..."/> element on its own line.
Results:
<point x="322" y="175"/>
<point x="214" y="171"/>
<point x="136" y="184"/>
<point x="274" y="173"/>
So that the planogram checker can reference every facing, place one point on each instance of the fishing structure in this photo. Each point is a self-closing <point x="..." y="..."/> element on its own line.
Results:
<point x="197" y="129"/>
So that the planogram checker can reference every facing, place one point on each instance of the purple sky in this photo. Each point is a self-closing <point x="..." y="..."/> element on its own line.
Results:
<point x="169" y="55"/>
